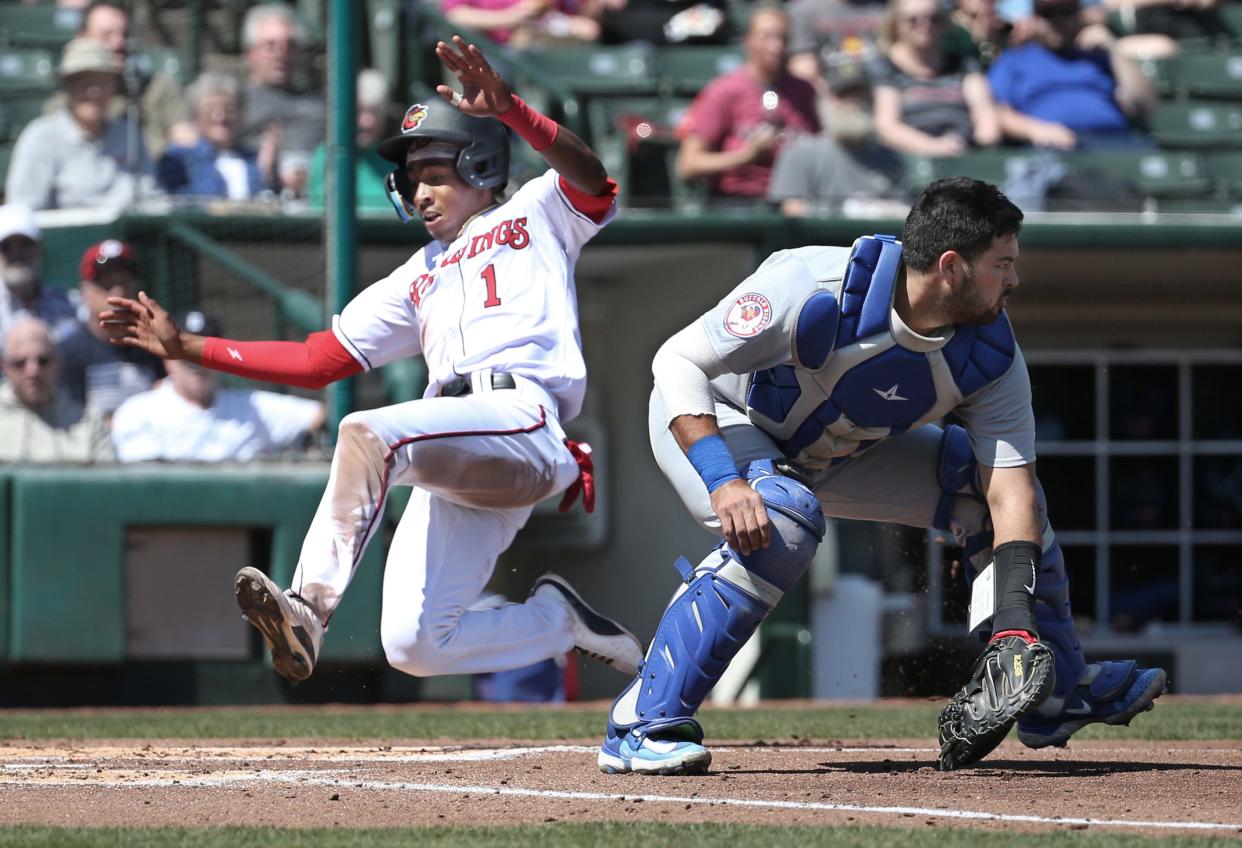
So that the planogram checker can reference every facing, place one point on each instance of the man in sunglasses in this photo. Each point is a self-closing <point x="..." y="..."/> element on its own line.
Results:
<point x="38" y="421"/>
<point x="1055" y="92"/>
<point x="490" y="304"/>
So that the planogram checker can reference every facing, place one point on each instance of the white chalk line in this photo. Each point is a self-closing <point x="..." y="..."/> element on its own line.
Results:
<point x="310" y="778"/>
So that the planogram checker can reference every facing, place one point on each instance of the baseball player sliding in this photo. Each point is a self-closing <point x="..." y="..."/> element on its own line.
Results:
<point x="810" y="390"/>
<point x="490" y="303"/>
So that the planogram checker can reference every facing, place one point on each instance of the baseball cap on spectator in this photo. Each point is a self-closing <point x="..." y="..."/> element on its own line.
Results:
<point x="845" y="75"/>
<point x="199" y="323"/>
<point x="105" y="256"/>
<point x="84" y="56"/>
<point x="17" y="219"/>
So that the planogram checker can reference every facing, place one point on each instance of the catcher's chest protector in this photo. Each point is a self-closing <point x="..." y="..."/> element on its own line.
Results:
<point x="851" y="383"/>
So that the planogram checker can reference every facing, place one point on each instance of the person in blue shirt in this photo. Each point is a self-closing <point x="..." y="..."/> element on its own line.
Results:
<point x="1057" y="92"/>
<point x="216" y="165"/>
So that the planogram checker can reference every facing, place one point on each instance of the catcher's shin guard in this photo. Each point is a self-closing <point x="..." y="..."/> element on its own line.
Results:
<point x="651" y="727"/>
<point x="1052" y="616"/>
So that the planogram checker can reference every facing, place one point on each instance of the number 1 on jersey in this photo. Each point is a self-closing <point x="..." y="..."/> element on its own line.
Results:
<point x="489" y="277"/>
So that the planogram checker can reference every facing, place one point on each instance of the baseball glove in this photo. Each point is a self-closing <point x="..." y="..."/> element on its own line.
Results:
<point x="1010" y="679"/>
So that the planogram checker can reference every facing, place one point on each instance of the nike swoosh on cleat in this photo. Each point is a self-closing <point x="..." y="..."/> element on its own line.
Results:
<point x="1082" y="709"/>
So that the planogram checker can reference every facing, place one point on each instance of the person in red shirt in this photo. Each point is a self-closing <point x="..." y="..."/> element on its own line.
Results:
<point x="733" y="130"/>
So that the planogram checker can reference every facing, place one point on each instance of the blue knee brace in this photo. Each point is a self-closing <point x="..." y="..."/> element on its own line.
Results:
<point x="723" y="601"/>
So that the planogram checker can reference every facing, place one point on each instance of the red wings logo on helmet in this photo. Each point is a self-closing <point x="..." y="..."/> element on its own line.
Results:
<point x="414" y="117"/>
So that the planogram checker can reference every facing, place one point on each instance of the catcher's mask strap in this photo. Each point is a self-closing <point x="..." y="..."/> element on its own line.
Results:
<point x="402" y="204"/>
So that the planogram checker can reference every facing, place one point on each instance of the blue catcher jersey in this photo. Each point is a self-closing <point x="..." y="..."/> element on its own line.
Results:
<point x="820" y="360"/>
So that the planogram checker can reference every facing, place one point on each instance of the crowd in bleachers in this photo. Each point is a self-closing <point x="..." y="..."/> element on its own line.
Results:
<point x="808" y="108"/>
<point x="867" y="100"/>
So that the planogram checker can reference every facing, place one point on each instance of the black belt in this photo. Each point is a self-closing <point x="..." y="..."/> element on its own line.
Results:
<point x="462" y="385"/>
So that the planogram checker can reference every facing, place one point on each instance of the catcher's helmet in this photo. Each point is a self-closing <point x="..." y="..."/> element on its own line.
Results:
<point x="483" y="158"/>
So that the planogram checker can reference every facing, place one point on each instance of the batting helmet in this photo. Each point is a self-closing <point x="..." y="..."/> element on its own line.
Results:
<point x="483" y="157"/>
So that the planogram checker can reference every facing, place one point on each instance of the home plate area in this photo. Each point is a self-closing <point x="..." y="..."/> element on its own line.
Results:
<point x="1183" y="787"/>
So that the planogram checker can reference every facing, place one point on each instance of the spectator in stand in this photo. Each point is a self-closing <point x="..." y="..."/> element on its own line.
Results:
<point x="662" y="22"/>
<point x="165" y="118"/>
<point x="214" y="165"/>
<point x="823" y="33"/>
<point x="843" y="170"/>
<point x="21" y="268"/>
<point x="522" y="23"/>
<point x="38" y="422"/>
<point x="77" y="157"/>
<point x="279" y="121"/>
<point x="733" y="130"/>
<point x="977" y="31"/>
<point x="372" y="169"/>
<point x="928" y="102"/>
<point x="1054" y="93"/>
<point x="94" y="372"/>
<point x="189" y="418"/>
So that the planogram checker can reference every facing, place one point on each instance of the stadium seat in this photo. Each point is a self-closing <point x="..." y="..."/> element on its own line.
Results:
<point x="46" y="25"/>
<point x="1207" y="74"/>
<point x="686" y="70"/>
<point x="1198" y="123"/>
<point x="17" y="110"/>
<point x="595" y="70"/>
<point x="1226" y="170"/>
<point x="164" y="60"/>
<point x="1201" y="205"/>
<point x="31" y="70"/>
<point x="634" y="137"/>
<point x="1162" y="174"/>
<point x="6" y="153"/>
<point x="993" y="166"/>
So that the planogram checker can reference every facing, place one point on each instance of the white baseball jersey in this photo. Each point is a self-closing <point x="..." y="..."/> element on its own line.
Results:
<point x="240" y="426"/>
<point x="501" y="296"/>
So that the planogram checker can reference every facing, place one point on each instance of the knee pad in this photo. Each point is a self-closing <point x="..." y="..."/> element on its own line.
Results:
<point x="722" y="603"/>
<point x="798" y="526"/>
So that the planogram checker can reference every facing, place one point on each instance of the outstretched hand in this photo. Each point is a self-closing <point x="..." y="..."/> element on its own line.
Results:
<point x="484" y="94"/>
<point x="143" y="324"/>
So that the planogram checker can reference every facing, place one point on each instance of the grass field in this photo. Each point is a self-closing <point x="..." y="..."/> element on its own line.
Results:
<point x="577" y="836"/>
<point x="1173" y="721"/>
<point x="1185" y="720"/>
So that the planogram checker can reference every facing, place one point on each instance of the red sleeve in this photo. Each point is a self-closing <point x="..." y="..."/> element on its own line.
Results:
<point x="594" y="206"/>
<point x="311" y="364"/>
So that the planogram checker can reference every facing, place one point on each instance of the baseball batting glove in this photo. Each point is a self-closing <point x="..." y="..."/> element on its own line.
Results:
<point x="1011" y="678"/>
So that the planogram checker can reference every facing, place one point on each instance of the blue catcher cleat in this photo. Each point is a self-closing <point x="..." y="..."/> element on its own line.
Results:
<point x="669" y="748"/>
<point x="1111" y="692"/>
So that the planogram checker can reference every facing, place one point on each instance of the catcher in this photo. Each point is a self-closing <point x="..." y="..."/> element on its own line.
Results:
<point x="810" y="390"/>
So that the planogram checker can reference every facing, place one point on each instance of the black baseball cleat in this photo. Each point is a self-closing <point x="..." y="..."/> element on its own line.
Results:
<point x="1011" y="678"/>
<point x="595" y="635"/>
<point x="290" y="627"/>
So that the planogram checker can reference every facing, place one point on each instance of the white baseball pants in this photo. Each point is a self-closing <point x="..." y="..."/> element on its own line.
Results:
<point x="477" y="465"/>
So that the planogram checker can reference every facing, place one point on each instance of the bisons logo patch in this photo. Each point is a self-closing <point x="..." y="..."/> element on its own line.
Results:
<point x="414" y="118"/>
<point x="748" y="315"/>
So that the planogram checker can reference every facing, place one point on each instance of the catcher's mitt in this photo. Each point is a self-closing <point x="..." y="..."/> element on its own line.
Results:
<point x="1010" y="679"/>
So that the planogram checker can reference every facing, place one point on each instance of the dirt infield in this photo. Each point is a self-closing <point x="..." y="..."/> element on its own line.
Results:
<point x="1157" y="787"/>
